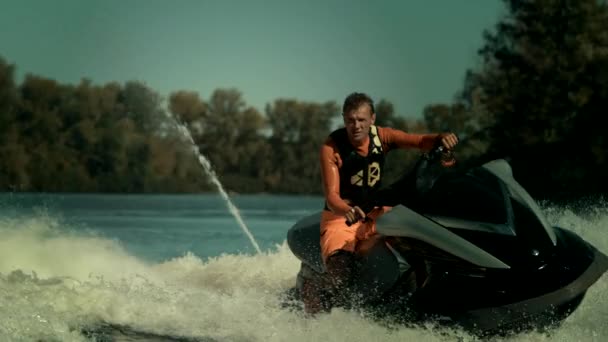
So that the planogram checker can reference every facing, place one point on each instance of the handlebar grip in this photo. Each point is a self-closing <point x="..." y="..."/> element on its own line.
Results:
<point x="362" y="220"/>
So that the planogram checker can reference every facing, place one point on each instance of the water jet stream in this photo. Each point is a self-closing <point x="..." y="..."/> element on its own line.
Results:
<point x="206" y="164"/>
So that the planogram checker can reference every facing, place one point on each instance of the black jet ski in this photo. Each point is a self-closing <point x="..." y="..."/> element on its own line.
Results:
<point x="463" y="247"/>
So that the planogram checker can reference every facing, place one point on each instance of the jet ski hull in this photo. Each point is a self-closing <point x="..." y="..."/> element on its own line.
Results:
<point x="546" y="310"/>
<point x="481" y="301"/>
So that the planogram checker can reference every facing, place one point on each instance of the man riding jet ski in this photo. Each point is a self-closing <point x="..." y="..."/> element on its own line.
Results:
<point x="464" y="247"/>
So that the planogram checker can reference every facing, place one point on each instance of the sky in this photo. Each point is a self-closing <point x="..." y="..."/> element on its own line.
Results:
<point x="410" y="52"/>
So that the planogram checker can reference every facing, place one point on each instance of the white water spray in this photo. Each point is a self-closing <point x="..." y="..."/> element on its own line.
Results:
<point x="206" y="164"/>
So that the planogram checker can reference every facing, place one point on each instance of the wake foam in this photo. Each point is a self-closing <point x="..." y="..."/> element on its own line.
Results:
<point x="56" y="282"/>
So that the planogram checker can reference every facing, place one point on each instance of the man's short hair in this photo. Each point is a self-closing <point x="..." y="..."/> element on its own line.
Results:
<point x="354" y="100"/>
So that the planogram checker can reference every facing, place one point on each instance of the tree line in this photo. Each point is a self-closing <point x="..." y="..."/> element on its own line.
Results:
<point x="537" y="98"/>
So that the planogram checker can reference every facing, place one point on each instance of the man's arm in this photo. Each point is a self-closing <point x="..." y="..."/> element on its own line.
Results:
<point x="330" y="174"/>
<point x="396" y="138"/>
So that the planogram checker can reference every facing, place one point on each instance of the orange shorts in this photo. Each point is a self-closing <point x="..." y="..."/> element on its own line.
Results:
<point x="336" y="235"/>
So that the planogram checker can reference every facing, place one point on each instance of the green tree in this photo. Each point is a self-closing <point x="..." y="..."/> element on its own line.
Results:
<point x="544" y="79"/>
<point x="385" y="115"/>
<point x="8" y="98"/>
<point x="12" y="157"/>
<point x="143" y="106"/>
<point x="298" y="130"/>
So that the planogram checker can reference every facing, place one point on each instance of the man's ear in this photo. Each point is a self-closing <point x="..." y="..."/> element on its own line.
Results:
<point x="373" y="118"/>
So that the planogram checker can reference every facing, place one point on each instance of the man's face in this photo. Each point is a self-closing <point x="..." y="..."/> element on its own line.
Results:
<point x="357" y="123"/>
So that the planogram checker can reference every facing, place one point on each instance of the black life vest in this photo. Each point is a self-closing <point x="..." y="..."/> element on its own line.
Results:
<point x="359" y="176"/>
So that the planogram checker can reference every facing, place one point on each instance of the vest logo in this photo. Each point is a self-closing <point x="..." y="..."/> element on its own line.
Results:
<point x="373" y="175"/>
<point x="357" y="179"/>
